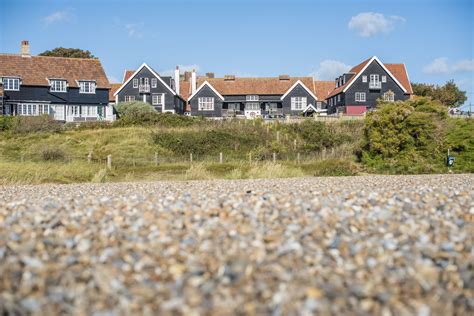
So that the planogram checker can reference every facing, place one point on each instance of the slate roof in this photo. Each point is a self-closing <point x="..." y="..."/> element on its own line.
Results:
<point x="35" y="70"/>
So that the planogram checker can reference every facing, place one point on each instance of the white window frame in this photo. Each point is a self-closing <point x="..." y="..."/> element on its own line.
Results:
<point x="11" y="84"/>
<point x="374" y="78"/>
<point x="384" y="79"/>
<point x="389" y="96"/>
<point x="298" y="103"/>
<point x="135" y="83"/>
<point x="251" y="98"/>
<point x="360" y="97"/>
<point x="364" y="78"/>
<point x="154" y="82"/>
<point x="318" y="105"/>
<point x="129" y="98"/>
<point x="206" y="104"/>
<point x="57" y="85"/>
<point x="161" y="99"/>
<point x="74" y="111"/>
<point x="87" y="87"/>
<point x="252" y="106"/>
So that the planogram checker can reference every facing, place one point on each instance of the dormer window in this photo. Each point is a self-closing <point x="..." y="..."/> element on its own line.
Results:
<point x="252" y="98"/>
<point x="57" y="85"/>
<point x="86" y="87"/>
<point x="11" y="84"/>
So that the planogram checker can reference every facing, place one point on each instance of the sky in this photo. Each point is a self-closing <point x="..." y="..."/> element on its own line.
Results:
<point x="434" y="39"/>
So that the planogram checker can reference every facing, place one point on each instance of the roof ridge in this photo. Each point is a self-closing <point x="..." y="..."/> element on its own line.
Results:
<point x="55" y="57"/>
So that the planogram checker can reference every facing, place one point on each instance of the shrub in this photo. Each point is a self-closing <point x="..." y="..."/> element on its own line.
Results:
<point x="35" y="124"/>
<point x="6" y="123"/>
<point x="48" y="154"/>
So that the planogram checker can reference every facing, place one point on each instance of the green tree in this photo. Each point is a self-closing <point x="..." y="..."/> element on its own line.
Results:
<point x="68" y="52"/>
<point x="449" y="94"/>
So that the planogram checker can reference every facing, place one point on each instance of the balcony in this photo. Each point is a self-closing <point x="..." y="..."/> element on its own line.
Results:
<point x="144" y="88"/>
<point x="375" y="85"/>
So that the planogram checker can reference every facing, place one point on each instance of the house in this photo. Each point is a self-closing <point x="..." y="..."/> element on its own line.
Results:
<point x="67" y="89"/>
<point x="254" y="97"/>
<point x="145" y="84"/>
<point x="358" y="90"/>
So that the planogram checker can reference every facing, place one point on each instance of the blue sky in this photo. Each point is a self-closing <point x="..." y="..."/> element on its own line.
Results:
<point x="253" y="38"/>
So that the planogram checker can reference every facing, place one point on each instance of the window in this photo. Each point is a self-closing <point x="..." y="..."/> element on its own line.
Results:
<point x="43" y="109"/>
<point x="318" y="105"/>
<point x="364" y="78"/>
<point x="374" y="81"/>
<point x="12" y="84"/>
<point x="157" y="99"/>
<point x="154" y="82"/>
<point x="86" y="87"/>
<point x="90" y="111"/>
<point x="298" y="103"/>
<point x="252" y="98"/>
<point x="389" y="96"/>
<point x="58" y="85"/>
<point x="206" y="104"/>
<point x="360" y="96"/>
<point x="135" y="83"/>
<point x="338" y="98"/>
<point x="74" y="110"/>
<point x="129" y="98"/>
<point x="384" y="79"/>
<point x="252" y="106"/>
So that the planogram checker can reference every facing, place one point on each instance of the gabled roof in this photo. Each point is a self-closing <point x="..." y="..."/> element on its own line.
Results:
<point x="184" y="89"/>
<point x="205" y="83"/>
<point x="400" y="73"/>
<point x="113" y="87"/>
<point x="35" y="70"/>
<point x="137" y="71"/>
<point x="301" y="84"/>
<point x="259" y="86"/>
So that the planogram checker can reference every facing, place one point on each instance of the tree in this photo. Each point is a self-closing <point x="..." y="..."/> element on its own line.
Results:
<point x="448" y="94"/>
<point x="68" y="52"/>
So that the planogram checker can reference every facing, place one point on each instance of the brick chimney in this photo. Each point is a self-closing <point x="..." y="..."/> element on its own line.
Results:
<point x="25" y="49"/>
<point x="187" y="76"/>
<point x="210" y="75"/>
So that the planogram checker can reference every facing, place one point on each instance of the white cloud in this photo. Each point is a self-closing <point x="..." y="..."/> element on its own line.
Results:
<point x="134" y="30"/>
<point x="441" y="66"/>
<point x="367" y="24"/>
<point x="58" y="16"/>
<point x="329" y="70"/>
<point x="182" y="69"/>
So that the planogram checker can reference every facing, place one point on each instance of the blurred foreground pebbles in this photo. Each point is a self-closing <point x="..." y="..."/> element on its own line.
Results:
<point x="385" y="245"/>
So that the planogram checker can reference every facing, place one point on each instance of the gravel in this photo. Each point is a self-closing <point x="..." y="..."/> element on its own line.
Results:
<point x="386" y="245"/>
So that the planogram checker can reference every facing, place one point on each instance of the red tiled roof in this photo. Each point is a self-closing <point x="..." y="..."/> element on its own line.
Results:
<point x="323" y="88"/>
<point x="113" y="87"/>
<point x="261" y="86"/>
<point x="398" y="71"/>
<point x="127" y="75"/>
<point x="184" y="89"/>
<point x="35" y="70"/>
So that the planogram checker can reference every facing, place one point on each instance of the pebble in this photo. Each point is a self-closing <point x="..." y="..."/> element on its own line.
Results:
<point x="382" y="245"/>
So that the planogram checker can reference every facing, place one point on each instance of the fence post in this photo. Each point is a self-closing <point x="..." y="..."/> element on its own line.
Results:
<point x="332" y="152"/>
<point x="191" y="157"/>
<point x="250" y="157"/>
<point x="109" y="162"/>
<point x="294" y="144"/>
<point x="324" y="153"/>
<point x="274" y="157"/>
<point x="89" y="157"/>
<point x="278" y="136"/>
<point x="298" y="158"/>
<point x="156" y="159"/>
<point x="221" y="158"/>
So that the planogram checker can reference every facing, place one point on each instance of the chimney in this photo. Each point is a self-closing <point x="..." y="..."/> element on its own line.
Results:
<point x="193" y="82"/>
<point x="229" y="78"/>
<point x="176" y="79"/>
<point x="284" y="77"/>
<point x="187" y="76"/>
<point x="210" y="75"/>
<point x="25" y="49"/>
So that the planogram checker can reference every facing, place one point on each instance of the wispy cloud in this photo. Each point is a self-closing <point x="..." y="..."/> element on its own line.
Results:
<point x="134" y="30"/>
<point x="441" y="66"/>
<point x="58" y="16"/>
<point x="182" y="69"/>
<point x="329" y="69"/>
<point x="368" y="24"/>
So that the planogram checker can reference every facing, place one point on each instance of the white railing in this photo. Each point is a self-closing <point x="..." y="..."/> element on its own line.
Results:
<point x="375" y="85"/>
<point x="144" y="88"/>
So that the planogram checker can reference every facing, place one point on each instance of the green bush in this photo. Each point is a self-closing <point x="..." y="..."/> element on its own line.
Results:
<point x="6" y="123"/>
<point x="405" y="137"/>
